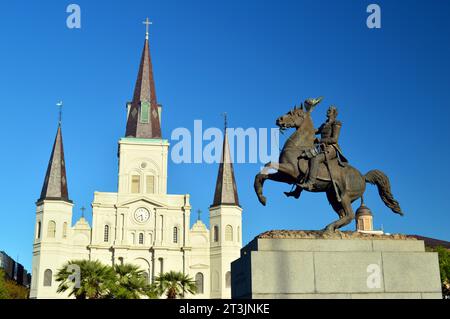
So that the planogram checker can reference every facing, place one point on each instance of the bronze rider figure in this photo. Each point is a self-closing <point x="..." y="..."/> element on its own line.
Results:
<point x="328" y="142"/>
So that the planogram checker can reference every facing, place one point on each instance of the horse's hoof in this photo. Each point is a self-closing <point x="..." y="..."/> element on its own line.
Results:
<point x="328" y="231"/>
<point x="263" y="200"/>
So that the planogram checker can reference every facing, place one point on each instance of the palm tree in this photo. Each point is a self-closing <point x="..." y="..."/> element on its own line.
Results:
<point x="130" y="283"/>
<point x="174" y="284"/>
<point x="95" y="279"/>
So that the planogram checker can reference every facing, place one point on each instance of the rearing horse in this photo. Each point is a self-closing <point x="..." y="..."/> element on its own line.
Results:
<point x="292" y="168"/>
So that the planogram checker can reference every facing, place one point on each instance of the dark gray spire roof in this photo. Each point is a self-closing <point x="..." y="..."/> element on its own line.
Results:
<point x="55" y="183"/>
<point x="143" y="117"/>
<point x="226" y="190"/>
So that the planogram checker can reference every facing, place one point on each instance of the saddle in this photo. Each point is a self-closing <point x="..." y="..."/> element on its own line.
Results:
<point x="324" y="175"/>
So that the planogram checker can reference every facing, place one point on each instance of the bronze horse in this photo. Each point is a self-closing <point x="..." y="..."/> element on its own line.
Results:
<point x="293" y="168"/>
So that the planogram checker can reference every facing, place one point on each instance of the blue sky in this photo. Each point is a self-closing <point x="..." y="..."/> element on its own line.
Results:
<point x="251" y="59"/>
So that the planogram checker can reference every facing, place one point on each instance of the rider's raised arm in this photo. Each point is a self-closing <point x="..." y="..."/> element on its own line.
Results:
<point x="318" y="130"/>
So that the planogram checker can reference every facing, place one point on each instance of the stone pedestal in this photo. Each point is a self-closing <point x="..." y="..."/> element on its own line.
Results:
<point x="298" y="264"/>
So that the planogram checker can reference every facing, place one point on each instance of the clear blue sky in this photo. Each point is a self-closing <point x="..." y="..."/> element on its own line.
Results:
<point x="252" y="59"/>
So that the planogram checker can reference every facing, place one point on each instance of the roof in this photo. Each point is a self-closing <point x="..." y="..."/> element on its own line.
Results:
<point x="432" y="242"/>
<point x="226" y="190"/>
<point x="143" y="118"/>
<point x="55" y="182"/>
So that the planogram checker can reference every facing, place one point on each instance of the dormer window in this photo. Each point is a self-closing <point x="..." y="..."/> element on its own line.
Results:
<point x="145" y="112"/>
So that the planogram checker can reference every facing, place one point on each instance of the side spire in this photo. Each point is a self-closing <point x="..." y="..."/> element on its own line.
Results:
<point x="143" y="117"/>
<point x="55" y="183"/>
<point x="226" y="190"/>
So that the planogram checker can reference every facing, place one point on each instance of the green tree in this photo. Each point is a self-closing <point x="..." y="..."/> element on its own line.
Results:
<point x="174" y="284"/>
<point x="95" y="279"/>
<point x="16" y="291"/>
<point x="3" y="290"/>
<point x="444" y="267"/>
<point x="130" y="283"/>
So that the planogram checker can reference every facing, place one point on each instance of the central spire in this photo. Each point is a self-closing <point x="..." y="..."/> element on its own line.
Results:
<point x="143" y="115"/>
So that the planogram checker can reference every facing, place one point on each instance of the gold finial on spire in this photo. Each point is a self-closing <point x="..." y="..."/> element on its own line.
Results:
<point x="147" y="23"/>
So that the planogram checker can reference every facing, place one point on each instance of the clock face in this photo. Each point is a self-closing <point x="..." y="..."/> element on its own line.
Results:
<point x="141" y="215"/>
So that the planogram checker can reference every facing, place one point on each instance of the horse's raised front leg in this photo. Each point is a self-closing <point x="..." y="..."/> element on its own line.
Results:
<point x="285" y="168"/>
<point x="258" y="185"/>
<point x="262" y="177"/>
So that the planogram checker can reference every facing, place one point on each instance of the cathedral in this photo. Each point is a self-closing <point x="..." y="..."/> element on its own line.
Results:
<point x="140" y="223"/>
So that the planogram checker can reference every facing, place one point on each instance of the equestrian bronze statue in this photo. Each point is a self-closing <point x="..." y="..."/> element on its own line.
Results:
<point x="318" y="165"/>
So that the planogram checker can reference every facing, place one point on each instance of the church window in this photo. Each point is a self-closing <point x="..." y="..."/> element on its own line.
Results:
<point x="106" y="234"/>
<point x="39" y="230"/>
<point x="228" y="279"/>
<point x="175" y="235"/>
<point x="146" y="277"/>
<point x="48" y="278"/>
<point x="216" y="233"/>
<point x="145" y="112"/>
<point x="141" y="239"/>
<point x="199" y="282"/>
<point x="51" y="230"/>
<point x="64" y="230"/>
<point x="135" y="184"/>
<point x="150" y="184"/>
<point x="229" y="233"/>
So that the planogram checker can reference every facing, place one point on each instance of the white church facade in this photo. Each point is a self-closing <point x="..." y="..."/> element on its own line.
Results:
<point x="140" y="223"/>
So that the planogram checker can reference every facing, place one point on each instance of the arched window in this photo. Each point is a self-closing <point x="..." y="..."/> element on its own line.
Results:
<point x="228" y="279"/>
<point x="51" y="230"/>
<point x="175" y="235"/>
<point x="228" y="233"/>
<point x="216" y="233"/>
<point x="64" y="230"/>
<point x="38" y="232"/>
<point x="141" y="239"/>
<point x="48" y="278"/>
<point x="135" y="184"/>
<point x="146" y="277"/>
<point x="199" y="282"/>
<point x="106" y="234"/>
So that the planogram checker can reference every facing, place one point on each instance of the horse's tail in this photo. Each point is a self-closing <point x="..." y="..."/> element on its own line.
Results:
<point x="376" y="177"/>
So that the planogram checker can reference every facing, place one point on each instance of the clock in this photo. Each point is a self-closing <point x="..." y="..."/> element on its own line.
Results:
<point x="141" y="215"/>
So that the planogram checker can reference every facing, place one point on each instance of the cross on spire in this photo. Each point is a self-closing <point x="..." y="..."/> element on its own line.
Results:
<point x="60" y="105"/>
<point x="199" y="212"/>
<point x="82" y="211"/>
<point x="147" y="23"/>
<point x="225" y="120"/>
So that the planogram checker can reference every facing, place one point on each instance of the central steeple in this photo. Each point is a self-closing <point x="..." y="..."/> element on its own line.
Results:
<point x="143" y="114"/>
